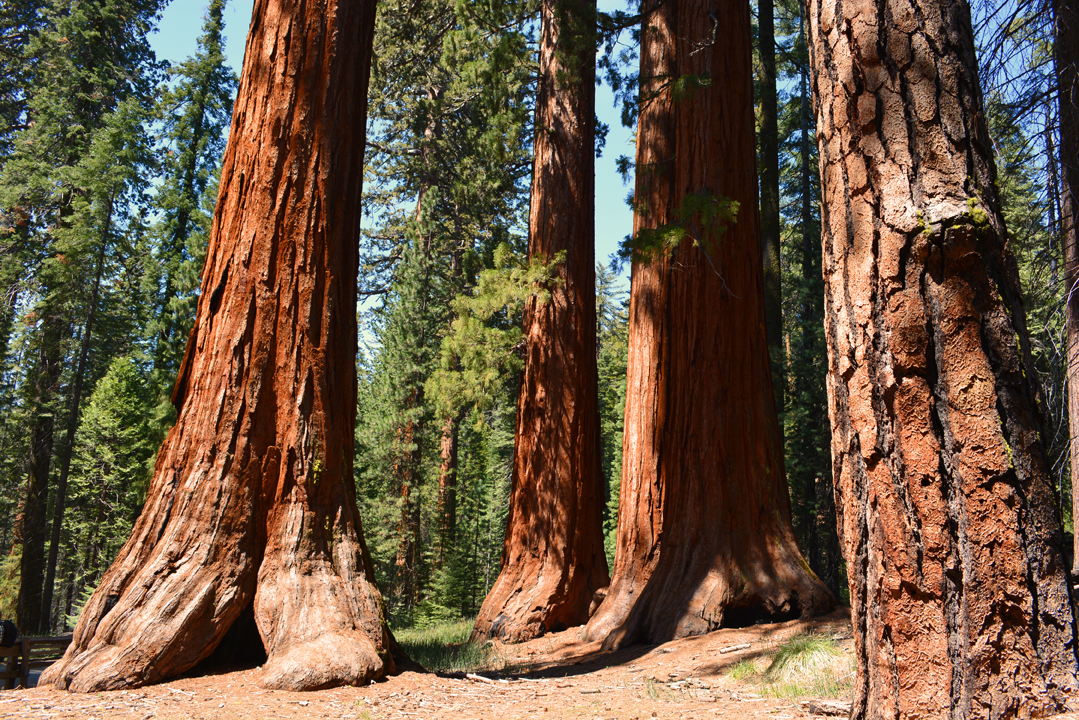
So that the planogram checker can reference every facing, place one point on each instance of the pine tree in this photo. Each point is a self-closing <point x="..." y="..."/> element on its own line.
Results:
<point x="955" y="557"/>
<point x="612" y="314"/>
<point x="78" y="82"/>
<point x="448" y="162"/>
<point x="195" y="113"/>
<point x="108" y="476"/>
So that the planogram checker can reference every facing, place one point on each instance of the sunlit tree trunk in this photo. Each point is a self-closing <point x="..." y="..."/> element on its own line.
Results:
<point x="954" y="551"/>
<point x="704" y="528"/>
<point x="553" y="561"/>
<point x="252" y="503"/>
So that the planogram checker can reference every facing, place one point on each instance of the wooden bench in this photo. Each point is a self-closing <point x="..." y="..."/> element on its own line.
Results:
<point x="30" y="653"/>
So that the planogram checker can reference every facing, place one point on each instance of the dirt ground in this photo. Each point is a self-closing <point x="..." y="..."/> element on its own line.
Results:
<point x="557" y="676"/>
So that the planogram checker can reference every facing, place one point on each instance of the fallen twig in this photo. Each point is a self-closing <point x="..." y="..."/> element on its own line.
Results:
<point x="734" y="648"/>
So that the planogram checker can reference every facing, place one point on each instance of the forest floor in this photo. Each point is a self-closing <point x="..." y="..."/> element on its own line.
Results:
<point x="728" y="673"/>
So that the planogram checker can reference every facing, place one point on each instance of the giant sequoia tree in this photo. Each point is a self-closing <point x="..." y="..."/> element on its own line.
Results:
<point x="251" y="506"/>
<point x="704" y="530"/>
<point x="954" y="552"/>
<point x="553" y="561"/>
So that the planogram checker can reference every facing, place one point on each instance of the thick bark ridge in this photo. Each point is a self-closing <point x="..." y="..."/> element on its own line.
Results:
<point x="954" y="552"/>
<point x="704" y="528"/>
<point x="252" y="499"/>
<point x="553" y="561"/>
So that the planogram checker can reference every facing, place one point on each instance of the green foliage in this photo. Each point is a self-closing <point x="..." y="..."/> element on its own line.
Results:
<point x="806" y="665"/>
<point x="445" y="647"/>
<point x="9" y="582"/>
<point x="612" y="312"/>
<point x="484" y="344"/>
<point x="194" y="112"/>
<point x="701" y="217"/>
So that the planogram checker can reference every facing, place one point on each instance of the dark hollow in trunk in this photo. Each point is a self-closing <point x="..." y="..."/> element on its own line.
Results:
<point x="704" y="528"/>
<point x="954" y="551"/>
<point x="252" y="501"/>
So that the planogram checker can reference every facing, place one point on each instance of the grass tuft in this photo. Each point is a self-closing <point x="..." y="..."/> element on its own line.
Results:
<point x="444" y="647"/>
<point x="803" y="666"/>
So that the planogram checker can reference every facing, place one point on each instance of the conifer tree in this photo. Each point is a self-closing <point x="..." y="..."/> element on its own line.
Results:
<point x="253" y="485"/>
<point x="447" y="163"/>
<point x="108" y="476"/>
<point x="77" y="82"/>
<point x="195" y="113"/>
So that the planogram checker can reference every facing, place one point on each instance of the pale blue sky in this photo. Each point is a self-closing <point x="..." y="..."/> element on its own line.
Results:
<point x="181" y="25"/>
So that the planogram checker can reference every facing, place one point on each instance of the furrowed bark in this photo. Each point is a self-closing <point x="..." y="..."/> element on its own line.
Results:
<point x="954" y="552"/>
<point x="252" y="500"/>
<point x="704" y="529"/>
<point x="553" y="561"/>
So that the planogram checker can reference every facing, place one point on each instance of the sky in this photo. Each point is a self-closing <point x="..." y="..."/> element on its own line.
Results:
<point x="181" y="25"/>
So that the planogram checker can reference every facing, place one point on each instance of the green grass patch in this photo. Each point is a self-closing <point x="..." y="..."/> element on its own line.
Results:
<point x="444" y="647"/>
<point x="803" y="666"/>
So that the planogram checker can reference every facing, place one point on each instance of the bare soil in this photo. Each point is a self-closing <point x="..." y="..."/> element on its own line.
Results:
<point x="556" y="676"/>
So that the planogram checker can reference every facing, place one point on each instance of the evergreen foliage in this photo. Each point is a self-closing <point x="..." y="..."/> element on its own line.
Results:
<point x="108" y="479"/>
<point x="612" y="314"/>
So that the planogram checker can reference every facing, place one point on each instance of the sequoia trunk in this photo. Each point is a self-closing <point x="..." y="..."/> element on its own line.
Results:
<point x="704" y="529"/>
<point x="252" y="499"/>
<point x="954" y="552"/>
<point x="553" y="561"/>
<point x="1066" y="19"/>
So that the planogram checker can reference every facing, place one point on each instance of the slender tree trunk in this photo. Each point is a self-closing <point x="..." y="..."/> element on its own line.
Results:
<point x="704" y="528"/>
<point x="33" y="521"/>
<point x="954" y="551"/>
<point x="447" y="488"/>
<point x="408" y="474"/>
<point x="1066" y="17"/>
<point x="67" y="448"/>
<point x="769" y="193"/>
<point x="553" y="562"/>
<point x="252" y="499"/>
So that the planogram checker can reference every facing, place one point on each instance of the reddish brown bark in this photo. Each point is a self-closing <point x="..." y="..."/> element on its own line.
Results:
<point x="447" y="488"/>
<point x="553" y="561"/>
<point x="252" y="501"/>
<point x="704" y="530"/>
<point x="954" y="552"/>
<point x="1066" y="17"/>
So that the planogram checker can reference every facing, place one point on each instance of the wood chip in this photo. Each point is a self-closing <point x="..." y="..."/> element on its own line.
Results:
<point x="590" y="691"/>
<point x="734" y="648"/>
<point x="479" y="678"/>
